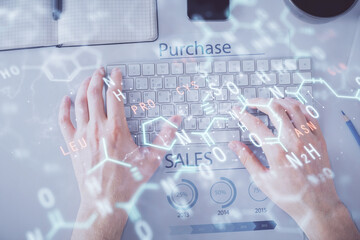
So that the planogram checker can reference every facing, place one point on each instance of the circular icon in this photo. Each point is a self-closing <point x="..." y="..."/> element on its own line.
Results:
<point x="223" y="192"/>
<point x="255" y="193"/>
<point x="184" y="196"/>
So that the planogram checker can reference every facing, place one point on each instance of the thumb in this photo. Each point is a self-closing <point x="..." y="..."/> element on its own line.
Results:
<point x="247" y="158"/>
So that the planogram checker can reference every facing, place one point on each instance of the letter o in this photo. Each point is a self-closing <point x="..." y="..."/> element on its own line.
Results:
<point x="15" y="70"/>
<point x="152" y="105"/>
<point x="258" y="142"/>
<point x="233" y="84"/>
<point x="143" y="230"/>
<point x="312" y="111"/>
<point x="217" y="150"/>
<point x="46" y="198"/>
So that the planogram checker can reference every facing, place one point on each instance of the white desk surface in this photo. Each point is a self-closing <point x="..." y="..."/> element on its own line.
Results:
<point x="30" y="136"/>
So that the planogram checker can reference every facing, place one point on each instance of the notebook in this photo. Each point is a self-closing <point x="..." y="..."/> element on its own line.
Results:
<point x="25" y="23"/>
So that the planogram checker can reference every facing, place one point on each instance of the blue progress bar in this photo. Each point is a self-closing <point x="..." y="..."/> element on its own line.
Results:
<point x="224" y="227"/>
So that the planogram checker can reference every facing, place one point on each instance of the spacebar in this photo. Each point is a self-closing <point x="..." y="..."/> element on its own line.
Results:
<point x="215" y="136"/>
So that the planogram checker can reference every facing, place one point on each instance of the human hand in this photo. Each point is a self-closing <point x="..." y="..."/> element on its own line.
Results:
<point x="303" y="156"/>
<point x="96" y="127"/>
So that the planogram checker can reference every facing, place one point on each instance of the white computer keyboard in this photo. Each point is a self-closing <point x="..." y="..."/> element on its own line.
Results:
<point x="179" y="87"/>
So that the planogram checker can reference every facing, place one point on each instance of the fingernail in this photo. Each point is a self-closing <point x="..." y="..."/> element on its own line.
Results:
<point x="115" y="70"/>
<point x="102" y="70"/>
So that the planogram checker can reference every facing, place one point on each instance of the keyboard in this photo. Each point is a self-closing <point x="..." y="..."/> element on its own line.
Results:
<point x="202" y="91"/>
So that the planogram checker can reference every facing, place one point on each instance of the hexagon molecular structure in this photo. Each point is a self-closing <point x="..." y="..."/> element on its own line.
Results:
<point x="61" y="68"/>
<point x="155" y="145"/>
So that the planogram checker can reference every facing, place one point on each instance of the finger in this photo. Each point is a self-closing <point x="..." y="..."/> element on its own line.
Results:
<point x="312" y="122"/>
<point x="81" y="104"/>
<point x="94" y="95"/>
<point x="253" y="124"/>
<point x="247" y="158"/>
<point x="115" y="101"/>
<point x="165" y="137"/>
<point x="292" y="107"/>
<point x="67" y="128"/>
<point x="277" y="115"/>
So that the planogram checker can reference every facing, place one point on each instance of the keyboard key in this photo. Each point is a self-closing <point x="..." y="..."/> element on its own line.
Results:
<point x="134" y="97"/>
<point x="156" y="83"/>
<point x="133" y="126"/>
<point x="149" y="127"/>
<point x="148" y="69"/>
<point x="149" y="95"/>
<point x="306" y="92"/>
<point x="141" y="139"/>
<point x="163" y="96"/>
<point x="224" y="108"/>
<point x="196" y="109"/>
<point x="127" y="112"/>
<point x="128" y="84"/>
<point x="162" y="68"/>
<point x="184" y="81"/>
<point x="121" y="67"/>
<point x="300" y="77"/>
<point x="255" y="79"/>
<point x="269" y="78"/>
<point x="234" y="66"/>
<point x="262" y="65"/>
<point x="192" y="96"/>
<point x="190" y="123"/>
<point x="139" y="113"/>
<point x="134" y="69"/>
<point x="141" y="83"/>
<point x="203" y="123"/>
<point x="277" y="65"/>
<point x="242" y="79"/>
<point x="223" y="96"/>
<point x="281" y="89"/>
<point x="177" y="97"/>
<point x="182" y="109"/>
<point x="245" y="137"/>
<point x="199" y="80"/>
<point x="249" y="93"/>
<point x="227" y="78"/>
<point x="263" y="93"/>
<point x="225" y="136"/>
<point x="219" y="124"/>
<point x="210" y="108"/>
<point x="170" y="82"/>
<point x="305" y="64"/>
<point x="220" y="67"/>
<point x="284" y="78"/>
<point x="290" y="64"/>
<point x="205" y="67"/>
<point x="167" y="110"/>
<point x="208" y="94"/>
<point x="153" y="112"/>
<point x="248" y="65"/>
<point x="191" y="67"/>
<point x="177" y="68"/>
<point x="291" y="90"/>
<point x="214" y="80"/>
<point x="232" y="123"/>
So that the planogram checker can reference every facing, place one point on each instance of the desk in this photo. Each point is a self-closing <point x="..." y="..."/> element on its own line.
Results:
<point x="30" y="136"/>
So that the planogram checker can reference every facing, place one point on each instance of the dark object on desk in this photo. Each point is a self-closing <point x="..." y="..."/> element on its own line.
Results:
<point x="323" y="8"/>
<point x="57" y="9"/>
<point x="209" y="10"/>
<point x="352" y="128"/>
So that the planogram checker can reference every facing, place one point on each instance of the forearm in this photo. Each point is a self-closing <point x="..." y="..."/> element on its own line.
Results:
<point x="330" y="225"/>
<point x="107" y="227"/>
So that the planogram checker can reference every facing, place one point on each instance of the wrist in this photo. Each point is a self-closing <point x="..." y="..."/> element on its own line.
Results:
<point x="329" y="222"/>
